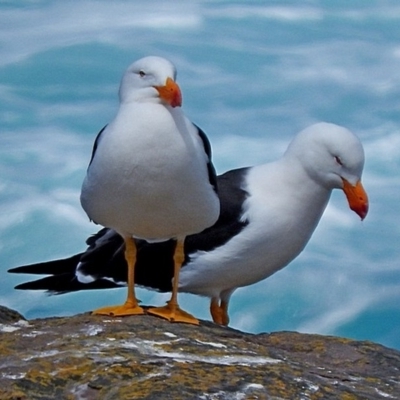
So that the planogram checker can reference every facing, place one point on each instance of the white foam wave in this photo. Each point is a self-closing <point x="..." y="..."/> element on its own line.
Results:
<point x="233" y="151"/>
<point x="25" y="31"/>
<point x="281" y="13"/>
<point x="40" y="175"/>
<point x="305" y="13"/>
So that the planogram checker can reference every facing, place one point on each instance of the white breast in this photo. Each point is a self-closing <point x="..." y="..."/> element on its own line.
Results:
<point x="149" y="176"/>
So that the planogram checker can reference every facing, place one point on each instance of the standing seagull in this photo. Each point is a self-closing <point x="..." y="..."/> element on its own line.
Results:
<point x="268" y="214"/>
<point x="150" y="176"/>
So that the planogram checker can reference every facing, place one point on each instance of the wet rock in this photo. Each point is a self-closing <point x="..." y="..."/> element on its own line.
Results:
<point x="144" y="357"/>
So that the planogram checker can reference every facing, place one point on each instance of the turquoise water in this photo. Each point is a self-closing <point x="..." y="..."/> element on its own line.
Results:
<point x="252" y="75"/>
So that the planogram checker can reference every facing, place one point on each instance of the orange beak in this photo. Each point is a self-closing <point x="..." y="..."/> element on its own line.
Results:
<point x="357" y="198"/>
<point x="170" y="93"/>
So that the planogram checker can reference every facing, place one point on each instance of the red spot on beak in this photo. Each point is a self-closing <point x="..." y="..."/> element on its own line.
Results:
<point x="170" y="93"/>
<point x="357" y="198"/>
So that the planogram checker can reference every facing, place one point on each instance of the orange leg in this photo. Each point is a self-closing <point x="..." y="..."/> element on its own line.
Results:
<point x="215" y="311"/>
<point x="224" y="309"/>
<point x="219" y="311"/>
<point x="172" y="311"/>
<point x="131" y="305"/>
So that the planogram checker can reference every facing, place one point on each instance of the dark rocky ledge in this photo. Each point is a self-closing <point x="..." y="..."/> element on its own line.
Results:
<point x="91" y="357"/>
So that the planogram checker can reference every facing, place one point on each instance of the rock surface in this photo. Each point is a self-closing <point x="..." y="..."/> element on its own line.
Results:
<point x="143" y="357"/>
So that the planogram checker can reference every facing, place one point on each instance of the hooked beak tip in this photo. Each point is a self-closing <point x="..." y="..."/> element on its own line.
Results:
<point x="170" y="93"/>
<point x="357" y="198"/>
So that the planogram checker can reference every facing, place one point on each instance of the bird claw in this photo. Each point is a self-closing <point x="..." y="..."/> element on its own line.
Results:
<point x="173" y="313"/>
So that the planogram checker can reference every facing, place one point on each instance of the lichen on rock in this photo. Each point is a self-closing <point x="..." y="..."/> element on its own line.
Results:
<point x="144" y="357"/>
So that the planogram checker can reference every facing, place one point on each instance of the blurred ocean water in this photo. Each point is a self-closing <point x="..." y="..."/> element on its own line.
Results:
<point x="252" y="75"/>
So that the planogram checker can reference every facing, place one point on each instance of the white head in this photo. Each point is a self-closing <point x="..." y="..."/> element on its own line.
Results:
<point x="150" y="79"/>
<point x="334" y="157"/>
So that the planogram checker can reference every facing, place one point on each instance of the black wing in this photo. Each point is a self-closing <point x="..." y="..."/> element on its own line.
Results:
<point x="103" y="259"/>
<point x="212" y="174"/>
<point x="96" y="142"/>
<point x="232" y="194"/>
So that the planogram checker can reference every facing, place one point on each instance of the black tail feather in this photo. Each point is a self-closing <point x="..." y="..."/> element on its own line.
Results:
<point x="55" y="267"/>
<point x="106" y="264"/>
<point x="64" y="283"/>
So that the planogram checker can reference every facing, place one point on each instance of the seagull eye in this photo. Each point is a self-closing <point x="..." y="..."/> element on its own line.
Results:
<point x="142" y="74"/>
<point x="338" y="160"/>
